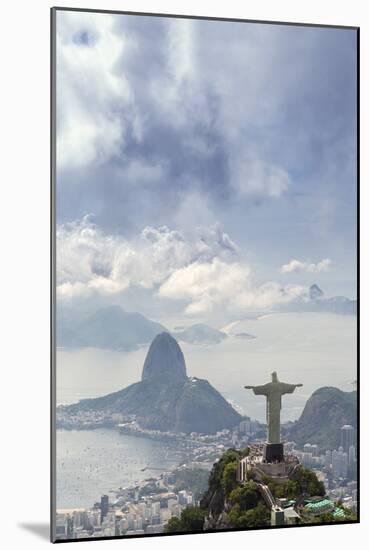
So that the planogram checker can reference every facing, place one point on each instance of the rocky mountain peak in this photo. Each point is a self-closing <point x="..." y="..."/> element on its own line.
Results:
<point x="164" y="360"/>
<point x="315" y="292"/>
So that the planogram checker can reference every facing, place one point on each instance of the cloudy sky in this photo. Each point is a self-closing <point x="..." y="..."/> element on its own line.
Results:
<point x="203" y="168"/>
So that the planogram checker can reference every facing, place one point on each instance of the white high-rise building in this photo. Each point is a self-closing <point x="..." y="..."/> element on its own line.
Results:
<point x="307" y="457"/>
<point x="339" y="463"/>
<point x="328" y="459"/>
<point x="336" y="464"/>
<point x="347" y="436"/>
<point x="344" y="464"/>
<point x="182" y="497"/>
<point x="156" y="508"/>
<point x="245" y="427"/>
<point x="351" y="455"/>
<point x="165" y="515"/>
<point x="124" y="524"/>
<point x="142" y="507"/>
<point x="315" y="450"/>
<point x="61" y="525"/>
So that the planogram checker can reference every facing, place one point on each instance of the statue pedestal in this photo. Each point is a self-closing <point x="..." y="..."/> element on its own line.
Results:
<point x="273" y="452"/>
<point x="257" y="464"/>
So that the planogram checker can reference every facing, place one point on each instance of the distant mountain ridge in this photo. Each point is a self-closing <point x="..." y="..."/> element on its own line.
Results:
<point x="199" y="334"/>
<point x="325" y="412"/>
<point x="316" y="301"/>
<point x="335" y="304"/>
<point x="107" y="328"/>
<point x="113" y="328"/>
<point x="315" y="293"/>
<point x="167" y="399"/>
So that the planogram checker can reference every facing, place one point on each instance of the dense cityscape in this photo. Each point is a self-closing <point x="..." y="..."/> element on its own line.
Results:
<point x="148" y="505"/>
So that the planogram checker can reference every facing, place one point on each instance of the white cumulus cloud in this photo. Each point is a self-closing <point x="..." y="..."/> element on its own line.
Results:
<point x="91" y="261"/>
<point x="297" y="266"/>
<point x="227" y="286"/>
<point x="202" y="271"/>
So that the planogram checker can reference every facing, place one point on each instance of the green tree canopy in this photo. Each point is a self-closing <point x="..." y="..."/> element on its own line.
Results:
<point x="246" y="496"/>
<point x="229" y="481"/>
<point x="256" y="517"/>
<point x="192" y="519"/>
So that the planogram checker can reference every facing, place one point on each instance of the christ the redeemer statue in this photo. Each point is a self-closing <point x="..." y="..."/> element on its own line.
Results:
<point x="273" y="391"/>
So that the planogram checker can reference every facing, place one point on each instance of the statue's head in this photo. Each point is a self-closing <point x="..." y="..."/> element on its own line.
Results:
<point x="274" y="377"/>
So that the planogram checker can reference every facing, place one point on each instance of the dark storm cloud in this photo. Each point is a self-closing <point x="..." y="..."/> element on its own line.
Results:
<point x="190" y="121"/>
<point x="278" y="95"/>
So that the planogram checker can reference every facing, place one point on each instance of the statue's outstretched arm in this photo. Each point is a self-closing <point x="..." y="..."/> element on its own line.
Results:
<point x="289" y="388"/>
<point x="258" y="390"/>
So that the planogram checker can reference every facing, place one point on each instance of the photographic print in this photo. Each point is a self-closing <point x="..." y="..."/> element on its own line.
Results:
<point x="204" y="316"/>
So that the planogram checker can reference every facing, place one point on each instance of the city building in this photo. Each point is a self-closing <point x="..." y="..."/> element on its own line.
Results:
<point x="242" y="470"/>
<point x="347" y="437"/>
<point x="289" y="447"/>
<point x="314" y="450"/>
<point x="351" y="455"/>
<point x="328" y="459"/>
<point x="245" y="426"/>
<point x="104" y="507"/>
<point x="277" y="516"/>
<point x="61" y="528"/>
<point x="339" y="463"/>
